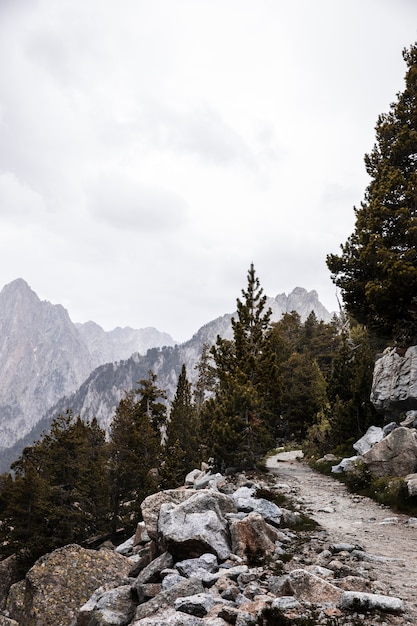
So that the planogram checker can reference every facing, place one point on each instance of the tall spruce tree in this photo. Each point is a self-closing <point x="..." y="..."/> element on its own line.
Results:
<point x="181" y="450"/>
<point x="377" y="269"/>
<point x="135" y="449"/>
<point x="240" y="414"/>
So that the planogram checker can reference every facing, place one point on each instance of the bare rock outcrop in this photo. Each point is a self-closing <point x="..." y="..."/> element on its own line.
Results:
<point x="395" y="455"/>
<point x="394" y="385"/>
<point x="59" y="583"/>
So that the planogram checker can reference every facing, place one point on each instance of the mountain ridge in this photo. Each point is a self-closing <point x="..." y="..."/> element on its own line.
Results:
<point x="53" y="364"/>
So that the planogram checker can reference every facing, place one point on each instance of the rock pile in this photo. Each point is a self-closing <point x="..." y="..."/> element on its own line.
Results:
<point x="212" y="553"/>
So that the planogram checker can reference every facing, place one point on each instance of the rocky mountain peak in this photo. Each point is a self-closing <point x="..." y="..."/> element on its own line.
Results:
<point x="301" y="301"/>
<point x="49" y="364"/>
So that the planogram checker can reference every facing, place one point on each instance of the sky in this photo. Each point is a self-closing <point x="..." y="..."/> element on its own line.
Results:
<point x="151" y="150"/>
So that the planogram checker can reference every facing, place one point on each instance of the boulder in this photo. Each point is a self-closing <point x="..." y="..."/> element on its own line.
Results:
<point x="206" y="563"/>
<point x="108" y="608"/>
<point x="245" y="501"/>
<point x="61" y="582"/>
<point x="411" y="482"/>
<point x="394" y="385"/>
<point x="396" y="455"/>
<point x="165" y="599"/>
<point x="252" y="537"/>
<point x="364" y="602"/>
<point x="197" y="525"/>
<point x="198" y="605"/>
<point x="369" y="439"/>
<point x="344" y="464"/>
<point x="170" y="617"/>
<point x="9" y="574"/>
<point x="151" y="506"/>
<point x="311" y="588"/>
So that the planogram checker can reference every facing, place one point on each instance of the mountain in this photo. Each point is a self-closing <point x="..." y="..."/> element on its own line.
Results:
<point x="51" y="364"/>
<point x="120" y="343"/>
<point x="44" y="356"/>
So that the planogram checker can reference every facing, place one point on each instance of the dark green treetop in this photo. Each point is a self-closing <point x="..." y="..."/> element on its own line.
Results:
<point x="59" y="493"/>
<point x="238" y="417"/>
<point x="377" y="269"/>
<point x="181" y="451"/>
<point x="135" y="450"/>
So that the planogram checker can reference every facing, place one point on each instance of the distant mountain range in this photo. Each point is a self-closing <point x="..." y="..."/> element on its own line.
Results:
<point x="49" y="364"/>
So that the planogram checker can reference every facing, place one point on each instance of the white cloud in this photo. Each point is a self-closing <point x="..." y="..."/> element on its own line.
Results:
<point x="149" y="151"/>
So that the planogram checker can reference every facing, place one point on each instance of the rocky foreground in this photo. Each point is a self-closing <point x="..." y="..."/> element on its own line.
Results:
<point x="215" y="552"/>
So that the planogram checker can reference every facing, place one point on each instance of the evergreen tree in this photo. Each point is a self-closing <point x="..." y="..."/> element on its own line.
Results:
<point x="349" y="388"/>
<point x="135" y="448"/>
<point x="181" y="451"/>
<point x="377" y="269"/>
<point x="206" y="377"/>
<point x="349" y="411"/>
<point x="241" y="411"/>
<point x="59" y="493"/>
<point x="304" y="394"/>
<point x="151" y="401"/>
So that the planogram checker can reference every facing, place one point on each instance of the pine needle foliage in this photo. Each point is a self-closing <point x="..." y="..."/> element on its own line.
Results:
<point x="377" y="268"/>
<point x="182" y="442"/>
<point x="239" y="415"/>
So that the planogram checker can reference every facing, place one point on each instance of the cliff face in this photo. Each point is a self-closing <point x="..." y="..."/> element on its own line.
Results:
<point x="44" y="356"/>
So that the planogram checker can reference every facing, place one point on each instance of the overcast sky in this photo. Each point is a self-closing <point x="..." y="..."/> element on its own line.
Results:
<point x="150" y="150"/>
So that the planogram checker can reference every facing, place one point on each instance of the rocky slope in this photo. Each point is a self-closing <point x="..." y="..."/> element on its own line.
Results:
<point x="221" y="551"/>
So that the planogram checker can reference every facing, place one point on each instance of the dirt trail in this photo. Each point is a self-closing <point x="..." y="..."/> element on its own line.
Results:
<point x="353" y="519"/>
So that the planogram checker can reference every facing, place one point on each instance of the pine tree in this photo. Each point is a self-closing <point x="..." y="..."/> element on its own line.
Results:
<point x="59" y="493"/>
<point x="377" y="269"/>
<point x="206" y="377"/>
<point x="351" y="411"/>
<point x="182" y="442"/>
<point x="241" y="412"/>
<point x="135" y="448"/>
<point x="304" y="394"/>
<point x="151" y="401"/>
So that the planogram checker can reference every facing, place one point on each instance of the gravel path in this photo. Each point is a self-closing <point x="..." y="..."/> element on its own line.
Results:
<point x="348" y="518"/>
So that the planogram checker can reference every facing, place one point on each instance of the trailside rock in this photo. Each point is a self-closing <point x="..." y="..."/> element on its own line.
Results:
<point x="197" y="525"/>
<point x="411" y="482"/>
<point x="245" y="501"/>
<point x="311" y="588"/>
<point x="252" y="537"/>
<point x="151" y="506"/>
<point x="369" y="439"/>
<point x="61" y="582"/>
<point x="396" y="455"/>
<point x="365" y="602"/>
<point x="394" y="385"/>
